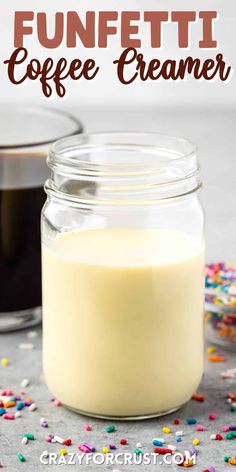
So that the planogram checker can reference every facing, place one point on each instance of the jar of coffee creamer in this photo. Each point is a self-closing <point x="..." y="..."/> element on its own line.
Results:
<point x="123" y="274"/>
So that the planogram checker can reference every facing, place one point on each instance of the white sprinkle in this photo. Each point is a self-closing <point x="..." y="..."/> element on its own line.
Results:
<point x="18" y="414"/>
<point x="58" y="439"/>
<point x="24" y="440"/>
<point x="26" y="346"/>
<point x="24" y="383"/>
<point x="42" y="420"/>
<point x="229" y="400"/>
<point x="179" y="433"/>
<point x="173" y="448"/>
<point x="33" y="407"/>
<point x="138" y="445"/>
<point x="227" y="375"/>
<point x="32" y="334"/>
<point x="213" y="436"/>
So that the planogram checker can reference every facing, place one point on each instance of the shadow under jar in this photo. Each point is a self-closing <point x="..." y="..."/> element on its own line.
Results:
<point x="25" y="136"/>
<point x="123" y="274"/>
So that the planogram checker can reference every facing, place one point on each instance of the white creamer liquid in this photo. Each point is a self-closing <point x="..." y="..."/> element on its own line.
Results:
<point x="123" y="320"/>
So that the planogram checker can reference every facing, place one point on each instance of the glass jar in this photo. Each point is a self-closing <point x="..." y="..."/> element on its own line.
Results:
<point x="123" y="274"/>
<point x="25" y="136"/>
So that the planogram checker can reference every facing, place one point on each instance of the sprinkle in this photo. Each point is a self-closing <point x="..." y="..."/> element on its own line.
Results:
<point x="4" y="362"/>
<point x="179" y="440"/>
<point x="112" y="447"/>
<point x="9" y="404"/>
<point x="20" y="406"/>
<point x="2" y="411"/>
<point x="6" y="393"/>
<point x="123" y="442"/>
<point x="137" y="451"/>
<point x="192" y="450"/>
<point x="233" y="408"/>
<point x="198" y="397"/>
<point x="105" y="450"/>
<point x="62" y="452"/>
<point x="166" y="430"/>
<point x="32" y="334"/>
<point x="232" y="461"/>
<point x="7" y="416"/>
<point x="216" y="358"/>
<point x="211" y="349"/>
<point x="29" y="436"/>
<point x="83" y="448"/>
<point x="212" y="416"/>
<point x="110" y="429"/>
<point x="49" y="437"/>
<point x="226" y="458"/>
<point x="179" y="433"/>
<point x="24" y="383"/>
<point x="196" y="441"/>
<point x="57" y="402"/>
<point x="26" y="346"/>
<point x="231" y="435"/>
<point x="191" y="421"/>
<point x="157" y="442"/>
<point x="176" y="421"/>
<point x="67" y="442"/>
<point x="225" y="429"/>
<point x="231" y="428"/>
<point x="219" y="437"/>
<point x="58" y="439"/>
<point x="24" y="440"/>
<point x="138" y="445"/>
<point x="43" y="423"/>
<point x="87" y="427"/>
<point x="21" y="457"/>
<point x="163" y="450"/>
<point x="33" y="407"/>
<point x="173" y="448"/>
<point x="90" y="447"/>
<point x="200" y="428"/>
<point x="18" y="414"/>
<point x="211" y="469"/>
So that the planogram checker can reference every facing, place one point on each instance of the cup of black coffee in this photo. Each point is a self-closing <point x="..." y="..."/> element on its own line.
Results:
<point x="25" y="136"/>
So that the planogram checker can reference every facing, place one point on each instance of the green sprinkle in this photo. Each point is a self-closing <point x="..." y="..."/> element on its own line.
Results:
<point x="226" y="458"/>
<point x="138" y="451"/>
<point x="29" y="436"/>
<point x="110" y="429"/>
<point x="229" y="436"/>
<point x="233" y="408"/>
<point x="21" y="457"/>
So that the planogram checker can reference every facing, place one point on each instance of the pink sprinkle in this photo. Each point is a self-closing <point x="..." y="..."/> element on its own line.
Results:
<point x="87" y="427"/>
<point x="7" y="416"/>
<point x="200" y="428"/>
<point x="212" y="416"/>
<point x="225" y="429"/>
<point x="22" y="392"/>
<point x="49" y="438"/>
<point x="83" y="448"/>
<point x="57" y="402"/>
<point x="6" y="393"/>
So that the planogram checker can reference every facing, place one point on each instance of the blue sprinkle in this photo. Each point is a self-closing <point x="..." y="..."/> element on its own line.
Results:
<point x="2" y="411"/>
<point x="155" y="442"/>
<point x="178" y="439"/>
<point x="20" y="406"/>
<point x="191" y="421"/>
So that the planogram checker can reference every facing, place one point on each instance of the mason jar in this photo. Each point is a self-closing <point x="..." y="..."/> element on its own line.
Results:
<point x="123" y="274"/>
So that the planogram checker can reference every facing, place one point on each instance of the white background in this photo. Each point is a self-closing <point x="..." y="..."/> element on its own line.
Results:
<point x="106" y="90"/>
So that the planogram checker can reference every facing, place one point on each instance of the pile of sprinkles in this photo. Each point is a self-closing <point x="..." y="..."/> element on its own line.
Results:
<point x="220" y="298"/>
<point x="178" y="434"/>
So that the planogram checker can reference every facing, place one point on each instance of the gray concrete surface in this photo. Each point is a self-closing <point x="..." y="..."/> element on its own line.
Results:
<point x="214" y="132"/>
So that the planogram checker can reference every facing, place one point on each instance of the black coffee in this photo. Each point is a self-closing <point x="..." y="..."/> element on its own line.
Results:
<point x="21" y="200"/>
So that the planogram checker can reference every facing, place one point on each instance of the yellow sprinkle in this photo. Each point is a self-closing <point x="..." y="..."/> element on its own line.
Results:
<point x="4" y="362"/>
<point x="166" y="430"/>
<point x="105" y="450"/>
<point x="211" y="350"/>
<point x="62" y="452"/>
<point x="188" y="464"/>
<point x="196" y="441"/>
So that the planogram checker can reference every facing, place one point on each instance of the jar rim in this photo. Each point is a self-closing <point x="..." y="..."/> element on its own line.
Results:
<point x="126" y="167"/>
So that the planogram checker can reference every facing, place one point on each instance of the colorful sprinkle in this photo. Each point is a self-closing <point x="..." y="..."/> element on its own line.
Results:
<point x="21" y="457"/>
<point x="110" y="429"/>
<point x="4" y="362"/>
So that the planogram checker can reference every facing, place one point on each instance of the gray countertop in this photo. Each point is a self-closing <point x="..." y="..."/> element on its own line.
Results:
<point x="67" y="424"/>
<point x="214" y="132"/>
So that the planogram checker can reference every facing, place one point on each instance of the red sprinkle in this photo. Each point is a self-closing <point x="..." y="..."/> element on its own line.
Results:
<point x="176" y="421"/>
<point x="57" y="402"/>
<point x="163" y="450"/>
<point x="67" y="442"/>
<point x="219" y="437"/>
<point x="123" y="442"/>
<point x="88" y="427"/>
